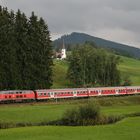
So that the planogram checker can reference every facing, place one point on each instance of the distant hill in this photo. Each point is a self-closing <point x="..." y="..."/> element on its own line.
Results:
<point x="80" y="38"/>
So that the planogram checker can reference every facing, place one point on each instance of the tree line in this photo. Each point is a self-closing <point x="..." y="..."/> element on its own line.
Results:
<point x="92" y="66"/>
<point x="25" y="51"/>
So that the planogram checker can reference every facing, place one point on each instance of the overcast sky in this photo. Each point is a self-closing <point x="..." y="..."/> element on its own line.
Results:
<point x="116" y="20"/>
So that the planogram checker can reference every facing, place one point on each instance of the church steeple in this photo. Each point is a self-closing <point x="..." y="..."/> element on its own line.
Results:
<point x="63" y="51"/>
<point x="63" y="47"/>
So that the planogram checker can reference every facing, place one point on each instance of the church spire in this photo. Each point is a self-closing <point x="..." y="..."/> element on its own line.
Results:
<point x="63" y="51"/>
<point x="63" y="47"/>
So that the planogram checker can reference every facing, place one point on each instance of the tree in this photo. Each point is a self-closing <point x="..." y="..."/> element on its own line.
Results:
<point x="90" y="65"/>
<point x="41" y="53"/>
<point x="25" y="51"/>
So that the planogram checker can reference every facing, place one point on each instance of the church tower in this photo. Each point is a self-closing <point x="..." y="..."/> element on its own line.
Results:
<point x="63" y="51"/>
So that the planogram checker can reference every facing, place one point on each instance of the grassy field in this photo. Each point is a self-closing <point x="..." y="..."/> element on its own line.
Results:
<point x="127" y="129"/>
<point x="128" y="67"/>
<point x="131" y="67"/>
<point x="35" y="113"/>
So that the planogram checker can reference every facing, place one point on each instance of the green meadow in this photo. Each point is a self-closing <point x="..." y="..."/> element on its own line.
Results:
<point x="130" y="67"/>
<point x="127" y="129"/>
<point x="44" y="112"/>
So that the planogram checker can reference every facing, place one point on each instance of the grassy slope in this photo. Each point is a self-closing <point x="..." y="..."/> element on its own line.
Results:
<point x="59" y="74"/>
<point x="127" y="129"/>
<point x="131" y="67"/>
<point x="128" y="66"/>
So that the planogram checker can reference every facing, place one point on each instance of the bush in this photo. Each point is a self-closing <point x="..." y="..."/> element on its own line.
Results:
<point x="83" y="115"/>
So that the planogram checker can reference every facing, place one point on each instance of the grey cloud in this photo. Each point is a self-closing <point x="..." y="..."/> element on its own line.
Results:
<point x="89" y="16"/>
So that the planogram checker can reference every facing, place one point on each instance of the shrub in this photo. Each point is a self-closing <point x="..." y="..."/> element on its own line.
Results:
<point x="86" y="114"/>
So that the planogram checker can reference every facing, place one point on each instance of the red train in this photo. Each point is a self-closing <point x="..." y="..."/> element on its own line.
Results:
<point x="30" y="95"/>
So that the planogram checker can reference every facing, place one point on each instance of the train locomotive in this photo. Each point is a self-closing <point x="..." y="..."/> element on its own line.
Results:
<point x="46" y="94"/>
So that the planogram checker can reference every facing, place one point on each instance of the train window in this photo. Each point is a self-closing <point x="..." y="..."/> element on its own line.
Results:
<point x="44" y="94"/>
<point x="24" y="96"/>
<point x="9" y="96"/>
<point x="5" y="96"/>
<point x="17" y="96"/>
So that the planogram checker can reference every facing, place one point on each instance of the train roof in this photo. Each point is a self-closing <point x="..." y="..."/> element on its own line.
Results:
<point x="14" y="91"/>
<point x="64" y="89"/>
<point x="96" y="88"/>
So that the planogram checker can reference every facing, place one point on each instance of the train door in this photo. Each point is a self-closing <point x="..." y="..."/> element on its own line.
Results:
<point x="99" y="92"/>
<point x="52" y="94"/>
<point x="75" y="93"/>
<point x="117" y="91"/>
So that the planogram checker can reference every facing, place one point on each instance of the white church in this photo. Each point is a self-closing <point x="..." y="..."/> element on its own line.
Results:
<point x="62" y="54"/>
<point x="63" y="51"/>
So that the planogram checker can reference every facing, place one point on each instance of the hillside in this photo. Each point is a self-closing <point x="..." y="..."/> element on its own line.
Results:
<point x="80" y="38"/>
<point x="131" y="67"/>
<point x="128" y="67"/>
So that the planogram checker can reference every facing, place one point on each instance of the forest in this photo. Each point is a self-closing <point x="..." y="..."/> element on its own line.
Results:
<point x="25" y="51"/>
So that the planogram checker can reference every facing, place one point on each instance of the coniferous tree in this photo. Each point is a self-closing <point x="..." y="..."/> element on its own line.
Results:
<point x="7" y="51"/>
<point x="25" y="51"/>
<point x="41" y="53"/>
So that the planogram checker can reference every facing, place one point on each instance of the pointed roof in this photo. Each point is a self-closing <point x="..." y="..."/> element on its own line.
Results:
<point x="63" y="47"/>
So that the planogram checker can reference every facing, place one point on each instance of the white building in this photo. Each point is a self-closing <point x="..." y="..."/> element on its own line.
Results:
<point x="63" y="51"/>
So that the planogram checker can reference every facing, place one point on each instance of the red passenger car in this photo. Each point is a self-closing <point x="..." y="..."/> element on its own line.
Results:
<point x="61" y="93"/>
<point x="133" y="90"/>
